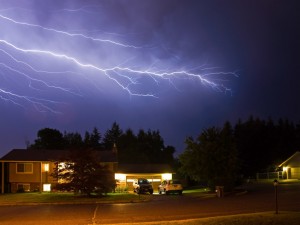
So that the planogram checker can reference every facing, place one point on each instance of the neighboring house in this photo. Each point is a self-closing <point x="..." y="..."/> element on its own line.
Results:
<point x="30" y="170"/>
<point x="155" y="173"/>
<point x="291" y="167"/>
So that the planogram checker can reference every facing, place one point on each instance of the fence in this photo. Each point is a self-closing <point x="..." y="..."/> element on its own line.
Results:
<point x="269" y="175"/>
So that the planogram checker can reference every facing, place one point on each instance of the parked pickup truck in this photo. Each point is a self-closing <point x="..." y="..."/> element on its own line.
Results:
<point x="142" y="185"/>
<point x="170" y="186"/>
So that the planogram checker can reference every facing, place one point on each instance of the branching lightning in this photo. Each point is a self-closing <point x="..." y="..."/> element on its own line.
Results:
<point x="68" y="33"/>
<point x="20" y="62"/>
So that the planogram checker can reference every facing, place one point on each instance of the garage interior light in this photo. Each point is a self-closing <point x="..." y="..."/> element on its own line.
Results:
<point x="120" y="177"/>
<point x="166" y="176"/>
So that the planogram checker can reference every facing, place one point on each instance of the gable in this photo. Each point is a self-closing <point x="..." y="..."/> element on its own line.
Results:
<point x="293" y="161"/>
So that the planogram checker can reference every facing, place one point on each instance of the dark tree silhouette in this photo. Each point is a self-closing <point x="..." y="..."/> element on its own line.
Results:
<point x="211" y="158"/>
<point x="112" y="136"/>
<point x="83" y="173"/>
<point x="48" y="138"/>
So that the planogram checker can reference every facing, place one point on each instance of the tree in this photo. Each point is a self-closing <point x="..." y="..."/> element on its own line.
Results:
<point x="92" y="140"/>
<point x="212" y="158"/>
<point x="73" y="141"/>
<point x="112" y="136"/>
<point x="82" y="171"/>
<point x="127" y="147"/>
<point x="95" y="139"/>
<point x="48" y="138"/>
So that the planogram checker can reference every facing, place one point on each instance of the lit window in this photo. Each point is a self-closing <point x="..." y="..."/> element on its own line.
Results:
<point x="24" y="167"/>
<point x="46" y="167"/>
<point x="46" y="187"/>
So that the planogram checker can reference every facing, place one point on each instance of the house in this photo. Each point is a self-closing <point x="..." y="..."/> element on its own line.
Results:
<point x="30" y="170"/>
<point x="291" y="167"/>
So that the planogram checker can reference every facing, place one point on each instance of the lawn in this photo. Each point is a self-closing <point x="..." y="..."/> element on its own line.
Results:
<point x="65" y="197"/>
<point x="58" y="198"/>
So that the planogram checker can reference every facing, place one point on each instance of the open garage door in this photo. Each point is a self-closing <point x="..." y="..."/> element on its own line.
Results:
<point x="155" y="180"/>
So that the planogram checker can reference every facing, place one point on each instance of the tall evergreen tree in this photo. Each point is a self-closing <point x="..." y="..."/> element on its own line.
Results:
<point x="112" y="136"/>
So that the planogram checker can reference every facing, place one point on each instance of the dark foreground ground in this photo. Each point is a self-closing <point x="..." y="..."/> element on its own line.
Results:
<point x="255" y="205"/>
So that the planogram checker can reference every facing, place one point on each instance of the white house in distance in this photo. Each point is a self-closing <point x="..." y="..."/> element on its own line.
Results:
<point x="291" y="167"/>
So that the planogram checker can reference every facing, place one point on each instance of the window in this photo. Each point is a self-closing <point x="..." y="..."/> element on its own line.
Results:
<point x="24" y="167"/>
<point x="46" y="167"/>
<point x="23" y="187"/>
<point x="46" y="187"/>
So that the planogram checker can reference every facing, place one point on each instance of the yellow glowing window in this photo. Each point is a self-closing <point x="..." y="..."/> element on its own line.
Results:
<point x="46" y="167"/>
<point x="46" y="187"/>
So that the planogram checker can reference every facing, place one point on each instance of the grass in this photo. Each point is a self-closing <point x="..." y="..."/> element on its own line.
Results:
<point x="68" y="197"/>
<point x="267" y="218"/>
<point x="58" y="198"/>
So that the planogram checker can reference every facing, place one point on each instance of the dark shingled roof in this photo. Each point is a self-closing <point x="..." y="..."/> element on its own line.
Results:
<point x="144" y="168"/>
<point x="51" y="155"/>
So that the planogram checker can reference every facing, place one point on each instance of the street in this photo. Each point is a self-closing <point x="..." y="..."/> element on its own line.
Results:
<point x="258" y="198"/>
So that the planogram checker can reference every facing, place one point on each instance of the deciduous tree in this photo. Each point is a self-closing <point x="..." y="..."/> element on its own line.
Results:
<point x="212" y="157"/>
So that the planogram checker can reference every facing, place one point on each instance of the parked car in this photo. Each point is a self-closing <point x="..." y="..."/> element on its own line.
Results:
<point x="142" y="185"/>
<point x="170" y="186"/>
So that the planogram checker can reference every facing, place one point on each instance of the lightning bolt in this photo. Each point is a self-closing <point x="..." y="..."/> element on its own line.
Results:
<point x="67" y="33"/>
<point x="127" y="78"/>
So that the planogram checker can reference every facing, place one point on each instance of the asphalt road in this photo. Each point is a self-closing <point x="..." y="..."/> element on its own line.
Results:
<point x="259" y="198"/>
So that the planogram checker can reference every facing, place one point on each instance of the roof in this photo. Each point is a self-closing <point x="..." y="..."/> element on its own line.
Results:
<point x="293" y="161"/>
<point x="144" y="168"/>
<point x="51" y="155"/>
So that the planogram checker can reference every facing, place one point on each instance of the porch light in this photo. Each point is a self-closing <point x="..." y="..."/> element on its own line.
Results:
<point x="284" y="169"/>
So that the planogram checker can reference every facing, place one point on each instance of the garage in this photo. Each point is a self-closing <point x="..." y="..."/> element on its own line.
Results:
<point x="154" y="173"/>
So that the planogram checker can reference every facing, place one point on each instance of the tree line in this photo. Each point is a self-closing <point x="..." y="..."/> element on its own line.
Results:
<point x="143" y="147"/>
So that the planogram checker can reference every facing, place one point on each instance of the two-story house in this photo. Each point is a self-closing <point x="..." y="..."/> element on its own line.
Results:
<point x="30" y="170"/>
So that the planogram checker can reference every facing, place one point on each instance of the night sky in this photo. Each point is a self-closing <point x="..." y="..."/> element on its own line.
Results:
<point x="177" y="66"/>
